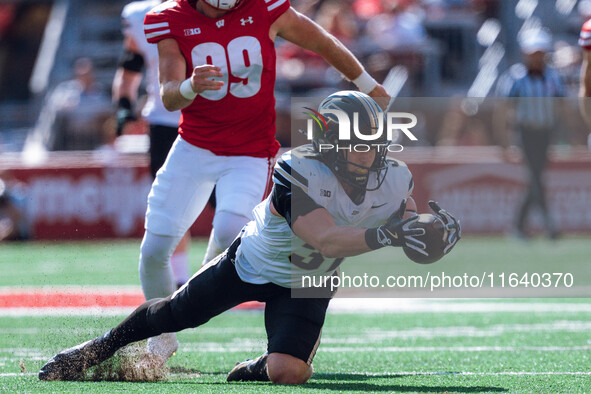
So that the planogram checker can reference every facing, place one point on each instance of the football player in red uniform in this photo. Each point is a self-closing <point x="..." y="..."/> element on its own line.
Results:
<point x="217" y="65"/>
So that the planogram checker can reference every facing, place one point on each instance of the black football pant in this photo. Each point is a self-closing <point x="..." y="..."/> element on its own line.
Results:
<point x="161" y="140"/>
<point x="535" y="143"/>
<point x="293" y="325"/>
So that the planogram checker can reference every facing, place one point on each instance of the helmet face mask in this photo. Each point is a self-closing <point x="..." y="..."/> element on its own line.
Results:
<point x="334" y="152"/>
<point x="360" y="180"/>
<point x="225" y="5"/>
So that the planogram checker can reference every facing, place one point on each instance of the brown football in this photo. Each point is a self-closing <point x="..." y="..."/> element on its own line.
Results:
<point x="434" y="238"/>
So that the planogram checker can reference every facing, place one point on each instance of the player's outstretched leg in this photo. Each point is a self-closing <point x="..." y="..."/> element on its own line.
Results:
<point x="71" y="363"/>
<point x="151" y="318"/>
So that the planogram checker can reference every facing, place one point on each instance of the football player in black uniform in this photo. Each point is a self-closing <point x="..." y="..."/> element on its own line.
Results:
<point x="297" y="231"/>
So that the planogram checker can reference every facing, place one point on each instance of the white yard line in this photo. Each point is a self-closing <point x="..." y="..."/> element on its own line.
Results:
<point x="76" y="311"/>
<point x="107" y="289"/>
<point x="399" y="349"/>
<point x="464" y="373"/>
<point x="257" y="346"/>
<point x="432" y="305"/>
<point x="320" y="375"/>
<point x="12" y="374"/>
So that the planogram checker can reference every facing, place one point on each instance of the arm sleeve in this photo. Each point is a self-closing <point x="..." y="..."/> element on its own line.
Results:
<point x="276" y="8"/>
<point x="292" y="205"/>
<point x="131" y="61"/>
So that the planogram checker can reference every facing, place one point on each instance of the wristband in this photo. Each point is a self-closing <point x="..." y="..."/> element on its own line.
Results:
<point x="372" y="238"/>
<point x="365" y="82"/>
<point x="124" y="103"/>
<point x="186" y="90"/>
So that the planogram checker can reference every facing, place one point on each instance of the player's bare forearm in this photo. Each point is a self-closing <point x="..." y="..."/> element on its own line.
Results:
<point x="318" y="229"/>
<point x="171" y="96"/>
<point x="172" y="73"/>
<point x="302" y="31"/>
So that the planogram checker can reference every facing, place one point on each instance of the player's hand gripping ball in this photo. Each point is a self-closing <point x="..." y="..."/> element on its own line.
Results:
<point x="442" y="232"/>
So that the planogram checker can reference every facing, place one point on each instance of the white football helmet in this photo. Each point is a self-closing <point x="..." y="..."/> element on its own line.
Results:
<point x="225" y="5"/>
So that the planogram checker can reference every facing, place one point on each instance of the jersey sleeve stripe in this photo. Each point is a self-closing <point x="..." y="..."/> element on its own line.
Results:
<point x="585" y="43"/>
<point x="285" y="167"/>
<point x="155" y="25"/>
<point x="275" y="5"/>
<point x="287" y="180"/>
<point x="157" y="33"/>
<point x="585" y="34"/>
<point x="280" y="180"/>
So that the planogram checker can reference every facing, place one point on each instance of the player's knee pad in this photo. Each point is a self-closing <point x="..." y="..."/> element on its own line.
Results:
<point x="156" y="250"/>
<point x="227" y="225"/>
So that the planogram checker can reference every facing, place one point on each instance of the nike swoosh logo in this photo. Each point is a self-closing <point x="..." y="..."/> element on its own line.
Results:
<point x="377" y="206"/>
<point x="394" y="235"/>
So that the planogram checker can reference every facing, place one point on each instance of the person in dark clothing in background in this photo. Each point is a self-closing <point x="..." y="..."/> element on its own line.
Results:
<point x="534" y="85"/>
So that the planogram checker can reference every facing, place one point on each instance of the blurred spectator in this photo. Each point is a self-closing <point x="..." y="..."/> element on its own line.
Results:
<point x="338" y="19"/>
<point x="304" y="70"/>
<point x="367" y="9"/>
<point x="462" y="129"/>
<point x="399" y="25"/>
<point x="73" y="114"/>
<point x="13" y="225"/>
<point x="22" y="25"/>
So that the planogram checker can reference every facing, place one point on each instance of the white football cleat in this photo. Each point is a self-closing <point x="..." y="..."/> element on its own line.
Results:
<point x="164" y="345"/>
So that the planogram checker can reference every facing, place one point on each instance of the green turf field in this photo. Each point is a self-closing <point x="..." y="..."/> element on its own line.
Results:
<point x="453" y="345"/>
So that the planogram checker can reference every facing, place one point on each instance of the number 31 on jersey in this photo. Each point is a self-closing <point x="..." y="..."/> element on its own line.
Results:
<point x="242" y="59"/>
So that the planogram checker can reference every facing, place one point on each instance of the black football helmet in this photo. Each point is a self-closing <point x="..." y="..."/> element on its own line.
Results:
<point x="371" y="117"/>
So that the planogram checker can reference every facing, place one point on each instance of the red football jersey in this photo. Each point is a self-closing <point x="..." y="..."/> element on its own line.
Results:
<point x="585" y="37"/>
<point x="239" y="119"/>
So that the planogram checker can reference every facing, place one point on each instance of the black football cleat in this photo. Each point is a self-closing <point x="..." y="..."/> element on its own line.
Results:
<point x="250" y="370"/>
<point x="71" y="363"/>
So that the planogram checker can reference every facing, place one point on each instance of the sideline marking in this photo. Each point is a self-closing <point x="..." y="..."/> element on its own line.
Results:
<point x="121" y="300"/>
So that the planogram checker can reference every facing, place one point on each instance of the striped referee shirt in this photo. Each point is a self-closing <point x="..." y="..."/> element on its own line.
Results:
<point x="535" y="104"/>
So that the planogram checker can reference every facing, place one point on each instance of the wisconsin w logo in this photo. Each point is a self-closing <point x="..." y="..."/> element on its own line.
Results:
<point x="220" y="23"/>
